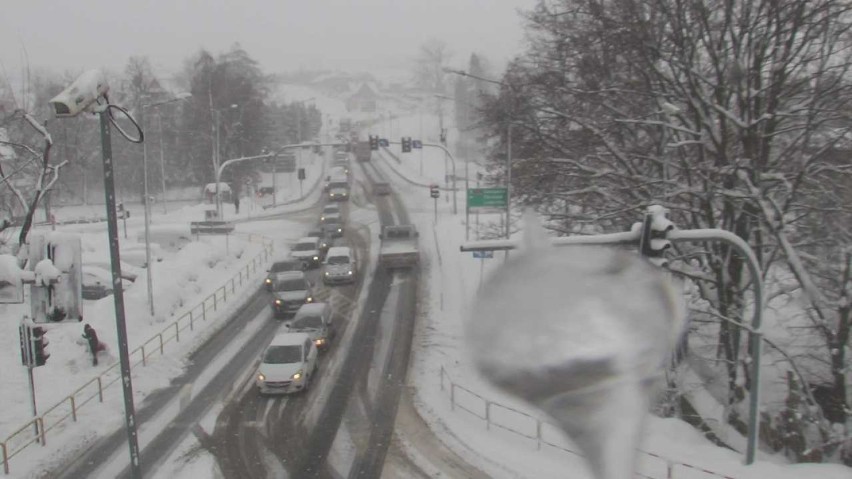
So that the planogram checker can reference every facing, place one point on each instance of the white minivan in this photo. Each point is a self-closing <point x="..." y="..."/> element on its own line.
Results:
<point x="339" y="266"/>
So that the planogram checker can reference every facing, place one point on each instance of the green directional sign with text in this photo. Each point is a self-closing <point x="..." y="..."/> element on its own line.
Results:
<point x="486" y="198"/>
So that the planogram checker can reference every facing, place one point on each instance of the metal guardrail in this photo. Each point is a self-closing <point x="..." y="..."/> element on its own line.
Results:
<point x="544" y="433"/>
<point x="68" y="407"/>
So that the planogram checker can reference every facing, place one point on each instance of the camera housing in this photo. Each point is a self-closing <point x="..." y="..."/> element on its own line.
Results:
<point x="80" y="95"/>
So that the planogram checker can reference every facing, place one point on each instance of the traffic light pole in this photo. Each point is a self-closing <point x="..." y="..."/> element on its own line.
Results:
<point x="27" y="359"/>
<point x="452" y="159"/>
<point x="118" y="296"/>
<point x="633" y="237"/>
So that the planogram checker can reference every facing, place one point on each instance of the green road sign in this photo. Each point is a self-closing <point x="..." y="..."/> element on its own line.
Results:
<point x="486" y="198"/>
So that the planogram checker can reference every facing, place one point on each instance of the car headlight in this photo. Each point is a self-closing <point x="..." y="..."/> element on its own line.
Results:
<point x="322" y="218"/>
<point x="268" y="281"/>
<point x="309" y="299"/>
<point x="326" y="273"/>
<point x="316" y="258"/>
<point x="319" y="341"/>
<point x="278" y="302"/>
<point x="297" y="376"/>
<point x="340" y="230"/>
<point x="349" y="272"/>
<point x="261" y="377"/>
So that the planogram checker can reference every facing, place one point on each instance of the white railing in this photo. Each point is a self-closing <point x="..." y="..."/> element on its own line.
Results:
<point x="68" y="407"/>
<point x="522" y="424"/>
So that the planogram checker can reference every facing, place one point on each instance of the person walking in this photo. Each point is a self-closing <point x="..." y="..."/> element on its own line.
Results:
<point x="94" y="345"/>
<point x="237" y="203"/>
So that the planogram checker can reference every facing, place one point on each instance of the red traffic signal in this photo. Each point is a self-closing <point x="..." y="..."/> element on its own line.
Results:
<point x="406" y="144"/>
<point x="434" y="192"/>
<point x="39" y="343"/>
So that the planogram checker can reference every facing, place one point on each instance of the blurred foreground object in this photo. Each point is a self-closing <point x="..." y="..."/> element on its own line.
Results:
<point x="581" y="333"/>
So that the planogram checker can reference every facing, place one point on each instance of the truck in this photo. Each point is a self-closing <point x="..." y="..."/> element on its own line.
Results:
<point x="399" y="247"/>
<point x="362" y="151"/>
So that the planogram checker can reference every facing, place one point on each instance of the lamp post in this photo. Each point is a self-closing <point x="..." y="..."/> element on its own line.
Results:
<point x="146" y="201"/>
<point x="217" y="113"/>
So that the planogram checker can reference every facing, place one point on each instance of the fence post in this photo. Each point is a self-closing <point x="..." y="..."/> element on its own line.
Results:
<point x="73" y="408"/>
<point x="487" y="415"/>
<point x="100" y="390"/>
<point x="669" y="470"/>
<point x="214" y="300"/>
<point x="143" y="355"/>
<point x="225" y="293"/>
<point x="5" y="458"/>
<point x="161" y="343"/>
<point x="204" y="310"/>
<point x="190" y="321"/>
<point x="538" y="434"/>
<point x="177" y="331"/>
<point x="452" y="396"/>
<point x="40" y="422"/>
<point x="234" y="285"/>
<point x="442" y="377"/>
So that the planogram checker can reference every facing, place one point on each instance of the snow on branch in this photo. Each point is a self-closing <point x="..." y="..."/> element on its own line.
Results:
<point x="793" y="259"/>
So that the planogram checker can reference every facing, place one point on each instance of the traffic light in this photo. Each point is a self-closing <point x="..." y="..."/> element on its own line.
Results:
<point x="39" y="342"/>
<point x="406" y="144"/>
<point x="374" y="142"/>
<point x="24" y="333"/>
<point x="57" y="294"/>
<point x="652" y="240"/>
<point x="443" y="136"/>
<point x="433" y="191"/>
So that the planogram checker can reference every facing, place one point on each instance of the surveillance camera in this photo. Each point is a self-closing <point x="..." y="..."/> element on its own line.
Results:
<point x="80" y="95"/>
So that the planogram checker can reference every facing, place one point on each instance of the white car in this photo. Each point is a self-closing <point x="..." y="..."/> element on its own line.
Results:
<point x="315" y="319"/>
<point x="287" y="365"/>
<point x="339" y="266"/>
<point x="307" y="249"/>
<point x="97" y="282"/>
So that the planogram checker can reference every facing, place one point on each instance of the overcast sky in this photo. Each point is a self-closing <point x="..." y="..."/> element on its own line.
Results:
<point x="356" y="35"/>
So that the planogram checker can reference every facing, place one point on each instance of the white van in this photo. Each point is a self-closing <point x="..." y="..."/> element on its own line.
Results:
<point x="339" y="266"/>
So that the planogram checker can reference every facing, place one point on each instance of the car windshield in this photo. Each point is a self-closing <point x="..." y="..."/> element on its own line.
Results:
<point x="331" y="220"/>
<point x="338" y="260"/>
<point x="338" y="184"/>
<point x="299" y="284"/>
<point x="397" y="234"/>
<point x="304" y="247"/>
<point x="307" y="322"/>
<point x="283" y="354"/>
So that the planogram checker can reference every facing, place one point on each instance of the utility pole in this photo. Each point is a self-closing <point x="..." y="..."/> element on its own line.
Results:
<point x="162" y="160"/>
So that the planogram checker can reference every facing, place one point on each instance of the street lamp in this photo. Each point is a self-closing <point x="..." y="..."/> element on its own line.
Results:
<point x="508" y="142"/>
<point x="217" y="112"/>
<point x="146" y="200"/>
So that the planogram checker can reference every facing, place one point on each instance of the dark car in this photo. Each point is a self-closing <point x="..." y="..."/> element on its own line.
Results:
<point x="289" y="264"/>
<point x="290" y="290"/>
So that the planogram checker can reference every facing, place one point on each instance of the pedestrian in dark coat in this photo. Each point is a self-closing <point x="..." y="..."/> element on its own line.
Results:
<point x="94" y="345"/>
<point x="237" y="203"/>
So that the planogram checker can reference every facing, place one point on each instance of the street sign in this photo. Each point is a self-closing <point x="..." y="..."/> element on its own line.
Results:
<point x="417" y="144"/>
<point x="486" y="198"/>
<point x="434" y="192"/>
<point x="483" y="254"/>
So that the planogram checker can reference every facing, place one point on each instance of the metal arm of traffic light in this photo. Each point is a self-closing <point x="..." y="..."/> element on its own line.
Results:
<point x="633" y="237"/>
<point x="452" y="159"/>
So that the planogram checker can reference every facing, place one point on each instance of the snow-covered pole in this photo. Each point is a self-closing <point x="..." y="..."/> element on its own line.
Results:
<point x="673" y="235"/>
